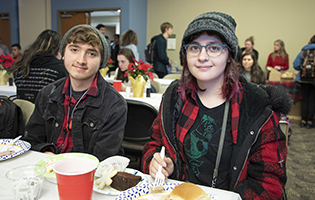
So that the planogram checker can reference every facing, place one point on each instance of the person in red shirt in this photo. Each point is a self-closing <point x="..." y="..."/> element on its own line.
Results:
<point x="278" y="59"/>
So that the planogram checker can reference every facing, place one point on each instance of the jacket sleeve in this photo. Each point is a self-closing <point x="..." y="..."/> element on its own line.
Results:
<point x="153" y="146"/>
<point x="36" y="129"/>
<point x="297" y="61"/>
<point x="263" y="177"/>
<point x="161" y="50"/>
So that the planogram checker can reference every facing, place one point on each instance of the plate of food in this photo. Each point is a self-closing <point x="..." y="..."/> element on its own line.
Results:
<point x="119" y="181"/>
<point x="169" y="190"/>
<point x="50" y="161"/>
<point x="18" y="148"/>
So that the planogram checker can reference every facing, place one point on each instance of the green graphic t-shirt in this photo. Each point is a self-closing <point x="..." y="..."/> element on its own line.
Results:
<point x="201" y="146"/>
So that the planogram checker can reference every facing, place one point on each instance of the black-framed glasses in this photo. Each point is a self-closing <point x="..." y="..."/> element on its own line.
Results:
<point x="213" y="50"/>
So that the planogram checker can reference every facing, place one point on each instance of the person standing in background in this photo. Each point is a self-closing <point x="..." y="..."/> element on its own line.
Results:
<point x="102" y="29"/>
<point x="278" y="59"/>
<point x="16" y="51"/>
<point x="162" y="61"/>
<point x="307" y="89"/>
<point x="249" y="47"/>
<point x="3" y="48"/>
<point x="39" y="66"/>
<point x="130" y="41"/>
<point x="114" y="51"/>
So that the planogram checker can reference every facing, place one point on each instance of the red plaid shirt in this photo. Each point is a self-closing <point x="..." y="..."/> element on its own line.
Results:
<point x="65" y="142"/>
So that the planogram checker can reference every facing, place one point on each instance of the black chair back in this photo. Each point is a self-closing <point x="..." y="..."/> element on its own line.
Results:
<point x="140" y="117"/>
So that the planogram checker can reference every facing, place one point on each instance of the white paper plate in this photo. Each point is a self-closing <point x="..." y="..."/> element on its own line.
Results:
<point x="111" y="191"/>
<point x="20" y="147"/>
<point x="143" y="191"/>
<point x="50" y="161"/>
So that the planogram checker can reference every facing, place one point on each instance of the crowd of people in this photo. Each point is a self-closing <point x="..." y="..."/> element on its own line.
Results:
<point x="219" y="123"/>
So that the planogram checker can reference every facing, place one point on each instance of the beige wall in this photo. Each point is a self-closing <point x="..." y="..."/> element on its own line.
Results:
<point x="266" y="20"/>
<point x="32" y="24"/>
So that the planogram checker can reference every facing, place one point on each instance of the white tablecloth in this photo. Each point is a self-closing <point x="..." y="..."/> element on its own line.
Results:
<point x="8" y="90"/>
<point x="163" y="82"/>
<point x="50" y="190"/>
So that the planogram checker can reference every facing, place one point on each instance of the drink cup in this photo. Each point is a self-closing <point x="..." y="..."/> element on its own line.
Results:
<point x="75" y="178"/>
<point x="117" y="85"/>
<point x="26" y="181"/>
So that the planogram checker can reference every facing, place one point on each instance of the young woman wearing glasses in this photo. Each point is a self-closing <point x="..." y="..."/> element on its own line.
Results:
<point x="218" y="130"/>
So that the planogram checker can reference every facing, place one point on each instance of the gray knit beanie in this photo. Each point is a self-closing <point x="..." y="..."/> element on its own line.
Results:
<point x="220" y="23"/>
<point x="101" y="36"/>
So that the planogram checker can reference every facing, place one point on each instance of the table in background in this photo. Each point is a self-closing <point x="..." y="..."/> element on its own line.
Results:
<point x="8" y="90"/>
<point x="163" y="82"/>
<point x="154" y="99"/>
<point x="291" y="86"/>
<point x="50" y="190"/>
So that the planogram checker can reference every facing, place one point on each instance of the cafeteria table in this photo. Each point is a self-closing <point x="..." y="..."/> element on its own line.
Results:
<point x="50" y="190"/>
<point x="8" y="90"/>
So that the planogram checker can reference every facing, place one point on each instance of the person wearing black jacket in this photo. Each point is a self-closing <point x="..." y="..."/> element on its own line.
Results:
<point x="39" y="66"/>
<point x="162" y="61"/>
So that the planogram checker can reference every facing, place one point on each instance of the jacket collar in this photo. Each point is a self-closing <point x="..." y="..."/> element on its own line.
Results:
<point x="93" y="101"/>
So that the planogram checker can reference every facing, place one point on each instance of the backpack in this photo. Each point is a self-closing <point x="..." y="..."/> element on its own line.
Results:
<point x="11" y="118"/>
<point x="307" y="65"/>
<point x="150" y="54"/>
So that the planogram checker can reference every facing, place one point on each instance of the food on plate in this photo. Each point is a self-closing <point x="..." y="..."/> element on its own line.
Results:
<point x="157" y="189"/>
<point x="49" y="169"/>
<point x="106" y="178"/>
<point x="6" y="153"/>
<point x="188" y="191"/>
<point x="124" y="180"/>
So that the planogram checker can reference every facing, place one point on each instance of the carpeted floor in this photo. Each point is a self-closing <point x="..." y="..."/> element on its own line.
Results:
<point x="300" y="164"/>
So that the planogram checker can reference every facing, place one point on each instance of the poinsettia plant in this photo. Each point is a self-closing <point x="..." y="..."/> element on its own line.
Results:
<point x="6" y="62"/>
<point x="139" y="68"/>
<point x="110" y="63"/>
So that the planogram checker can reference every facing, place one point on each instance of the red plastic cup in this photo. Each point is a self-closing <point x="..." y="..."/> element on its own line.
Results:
<point x="117" y="85"/>
<point x="75" y="178"/>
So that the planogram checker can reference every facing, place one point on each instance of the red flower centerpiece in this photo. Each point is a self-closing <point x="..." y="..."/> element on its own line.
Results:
<point x="6" y="62"/>
<point x="139" y="68"/>
<point x="138" y="73"/>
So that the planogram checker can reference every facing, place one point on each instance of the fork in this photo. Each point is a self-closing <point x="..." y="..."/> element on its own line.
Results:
<point x="160" y="178"/>
<point x="8" y="144"/>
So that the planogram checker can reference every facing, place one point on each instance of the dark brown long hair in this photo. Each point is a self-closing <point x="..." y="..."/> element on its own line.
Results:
<point x="256" y="74"/>
<point x="129" y="55"/>
<point x="230" y="83"/>
<point x="47" y="43"/>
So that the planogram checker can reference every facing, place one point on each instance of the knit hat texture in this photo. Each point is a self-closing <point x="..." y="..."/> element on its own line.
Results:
<point x="221" y="23"/>
<point x="101" y="36"/>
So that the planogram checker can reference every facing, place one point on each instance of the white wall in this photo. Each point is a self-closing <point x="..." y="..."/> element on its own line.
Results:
<point x="266" y="20"/>
<point x="31" y="25"/>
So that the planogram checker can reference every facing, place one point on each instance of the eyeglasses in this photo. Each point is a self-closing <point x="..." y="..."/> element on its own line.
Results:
<point x="213" y="50"/>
